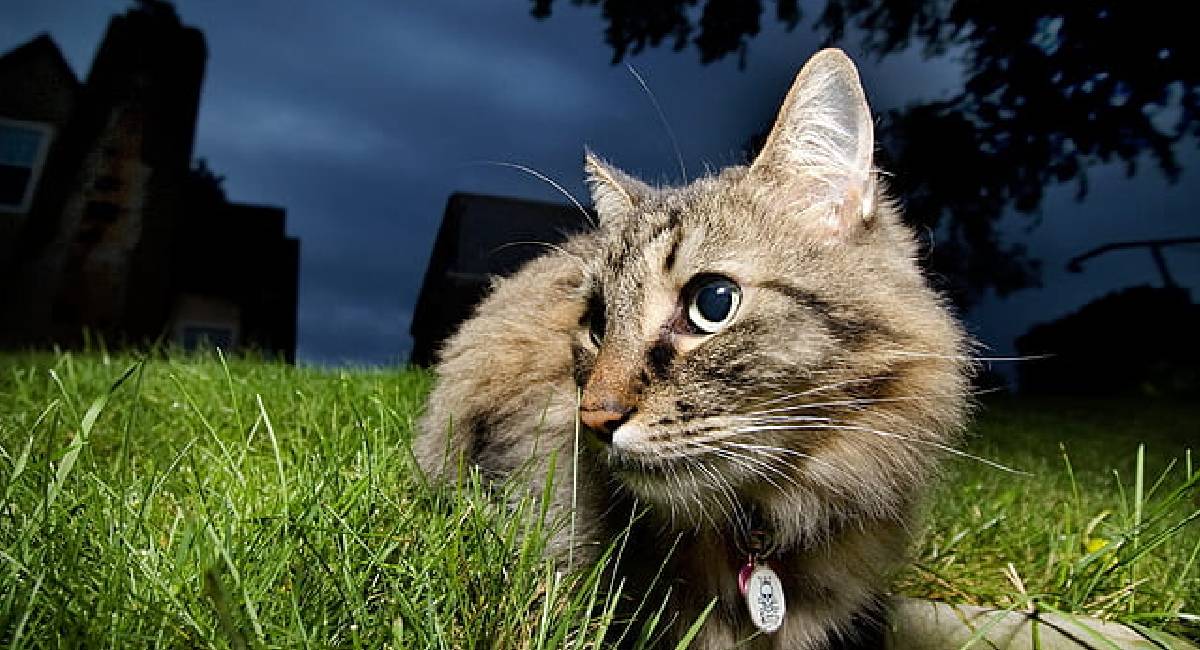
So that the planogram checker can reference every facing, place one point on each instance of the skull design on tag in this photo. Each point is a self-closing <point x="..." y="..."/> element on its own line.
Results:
<point x="764" y="599"/>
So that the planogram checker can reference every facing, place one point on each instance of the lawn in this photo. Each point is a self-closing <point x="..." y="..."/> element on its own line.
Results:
<point x="205" y="502"/>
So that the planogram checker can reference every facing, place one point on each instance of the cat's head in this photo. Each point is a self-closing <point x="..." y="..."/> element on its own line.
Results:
<point x="763" y="337"/>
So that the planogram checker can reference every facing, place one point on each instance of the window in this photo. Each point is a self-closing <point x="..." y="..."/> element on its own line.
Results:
<point x="203" y="322"/>
<point x="207" y="337"/>
<point x="23" y="148"/>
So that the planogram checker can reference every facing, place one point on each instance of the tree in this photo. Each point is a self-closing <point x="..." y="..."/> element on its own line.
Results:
<point x="205" y="187"/>
<point x="1051" y="88"/>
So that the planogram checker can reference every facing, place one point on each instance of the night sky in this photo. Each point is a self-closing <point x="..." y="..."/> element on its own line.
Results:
<point x="362" y="118"/>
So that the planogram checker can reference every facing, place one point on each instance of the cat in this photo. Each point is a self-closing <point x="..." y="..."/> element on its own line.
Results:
<point x="756" y="361"/>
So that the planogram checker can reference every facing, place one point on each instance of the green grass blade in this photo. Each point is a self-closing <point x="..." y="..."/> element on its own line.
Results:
<point x="694" y="629"/>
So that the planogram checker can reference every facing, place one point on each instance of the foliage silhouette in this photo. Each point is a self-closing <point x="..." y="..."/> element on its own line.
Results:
<point x="206" y="186"/>
<point x="1158" y="352"/>
<point x="1050" y="88"/>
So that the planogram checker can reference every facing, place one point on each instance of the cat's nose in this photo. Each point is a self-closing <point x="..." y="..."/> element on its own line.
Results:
<point x="611" y="393"/>
<point x="605" y="419"/>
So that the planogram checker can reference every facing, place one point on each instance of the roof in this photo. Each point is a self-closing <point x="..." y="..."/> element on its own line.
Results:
<point x="482" y="237"/>
<point x="40" y="47"/>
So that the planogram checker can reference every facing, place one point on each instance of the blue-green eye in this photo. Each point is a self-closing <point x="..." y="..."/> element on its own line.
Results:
<point x="713" y="304"/>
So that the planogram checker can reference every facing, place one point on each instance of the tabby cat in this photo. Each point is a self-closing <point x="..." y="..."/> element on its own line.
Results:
<point x="756" y="361"/>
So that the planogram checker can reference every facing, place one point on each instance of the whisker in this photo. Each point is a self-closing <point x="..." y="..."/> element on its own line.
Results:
<point x="956" y="357"/>
<point x="699" y="504"/>
<point x="767" y="465"/>
<point x="886" y="434"/>
<point x="770" y="460"/>
<point x="735" y="513"/>
<point x="554" y="247"/>
<point x="691" y="493"/>
<point x="671" y="499"/>
<point x="866" y="401"/>
<point x="824" y="387"/>
<point x="738" y="458"/>
<point x="771" y="450"/>
<point x="768" y="418"/>
<point x="951" y="450"/>
<point x="542" y="177"/>
<point x="662" y="118"/>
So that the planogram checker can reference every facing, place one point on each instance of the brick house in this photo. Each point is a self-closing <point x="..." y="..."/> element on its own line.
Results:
<point x="106" y="229"/>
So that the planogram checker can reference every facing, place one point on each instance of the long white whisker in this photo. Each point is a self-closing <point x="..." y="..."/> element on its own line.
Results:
<point x="775" y="459"/>
<point x="956" y="357"/>
<point x="725" y="490"/>
<point x="771" y="450"/>
<point x="717" y="451"/>
<point x="547" y="245"/>
<point x="743" y="517"/>
<point x="700" y="504"/>
<point x="670" y="498"/>
<point x="765" y="464"/>
<point x="863" y="401"/>
<point x="542" y="177"/>
<point x="823" y="388"/>
<point x="739" y="458"/>
<point x="766" y="417"/>
<point x="662" y="118"/>
<point x="725" y="513"/>
<point x="886" y="434"/>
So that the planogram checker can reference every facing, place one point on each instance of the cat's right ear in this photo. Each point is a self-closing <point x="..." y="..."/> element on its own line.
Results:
<point x="817" y="159"/>
<point x="614" y="193"/>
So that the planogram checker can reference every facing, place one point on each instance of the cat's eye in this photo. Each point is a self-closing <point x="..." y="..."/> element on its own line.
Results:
<point x="712" y="303"/>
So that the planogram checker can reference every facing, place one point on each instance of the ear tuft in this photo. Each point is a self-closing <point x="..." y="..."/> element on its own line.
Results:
<point x="614" y="193"/>
<point x="819" y="153"/>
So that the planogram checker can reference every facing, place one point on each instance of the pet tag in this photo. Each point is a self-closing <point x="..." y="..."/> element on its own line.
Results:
<point x="764" y="596"/>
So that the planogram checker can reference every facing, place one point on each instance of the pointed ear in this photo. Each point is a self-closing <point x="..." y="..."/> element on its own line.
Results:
<point x="818" y="156"/>
<point x="614" y="192"/>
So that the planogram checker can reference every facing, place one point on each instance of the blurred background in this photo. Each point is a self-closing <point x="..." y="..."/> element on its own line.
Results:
<point x="332" y="183"/>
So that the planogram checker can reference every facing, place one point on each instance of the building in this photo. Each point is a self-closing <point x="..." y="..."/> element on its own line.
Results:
<point x="481" y="237"/>
<point x="106" y="228"/>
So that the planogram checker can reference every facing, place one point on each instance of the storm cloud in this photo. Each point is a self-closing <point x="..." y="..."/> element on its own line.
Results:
<point x="362" y="118"/>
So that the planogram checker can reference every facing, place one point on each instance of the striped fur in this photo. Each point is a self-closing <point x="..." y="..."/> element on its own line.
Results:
<point x="816" y="414"/>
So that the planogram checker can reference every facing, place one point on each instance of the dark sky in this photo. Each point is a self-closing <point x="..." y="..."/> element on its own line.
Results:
<point x="361" y="118"/>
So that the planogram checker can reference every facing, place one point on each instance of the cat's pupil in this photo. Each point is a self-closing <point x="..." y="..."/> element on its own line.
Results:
<point x="714" y="302"/>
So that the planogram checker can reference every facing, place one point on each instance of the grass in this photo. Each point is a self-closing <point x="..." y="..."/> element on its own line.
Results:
<point x="1104" y="522"/>
<point x="205" y="502"/>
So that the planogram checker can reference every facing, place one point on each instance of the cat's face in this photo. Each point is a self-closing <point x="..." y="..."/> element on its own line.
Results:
<point x="765" y="332"/>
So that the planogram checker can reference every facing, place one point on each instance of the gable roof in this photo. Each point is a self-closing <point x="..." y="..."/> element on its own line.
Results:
<point x="39" y="47"/>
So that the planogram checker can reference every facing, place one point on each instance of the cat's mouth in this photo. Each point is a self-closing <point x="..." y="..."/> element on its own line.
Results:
<point x="636" y="450"/>
<point x="628" y="464"/>
<point x="685" y="490"/>
<point x="648" y="476"/>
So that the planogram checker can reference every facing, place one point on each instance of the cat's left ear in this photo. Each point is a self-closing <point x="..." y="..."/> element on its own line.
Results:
<point x="614" y="193"/>
<point x="817" y="159"/>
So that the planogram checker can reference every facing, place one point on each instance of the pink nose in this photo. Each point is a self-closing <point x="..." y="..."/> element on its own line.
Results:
<point x="605" y="420"/>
